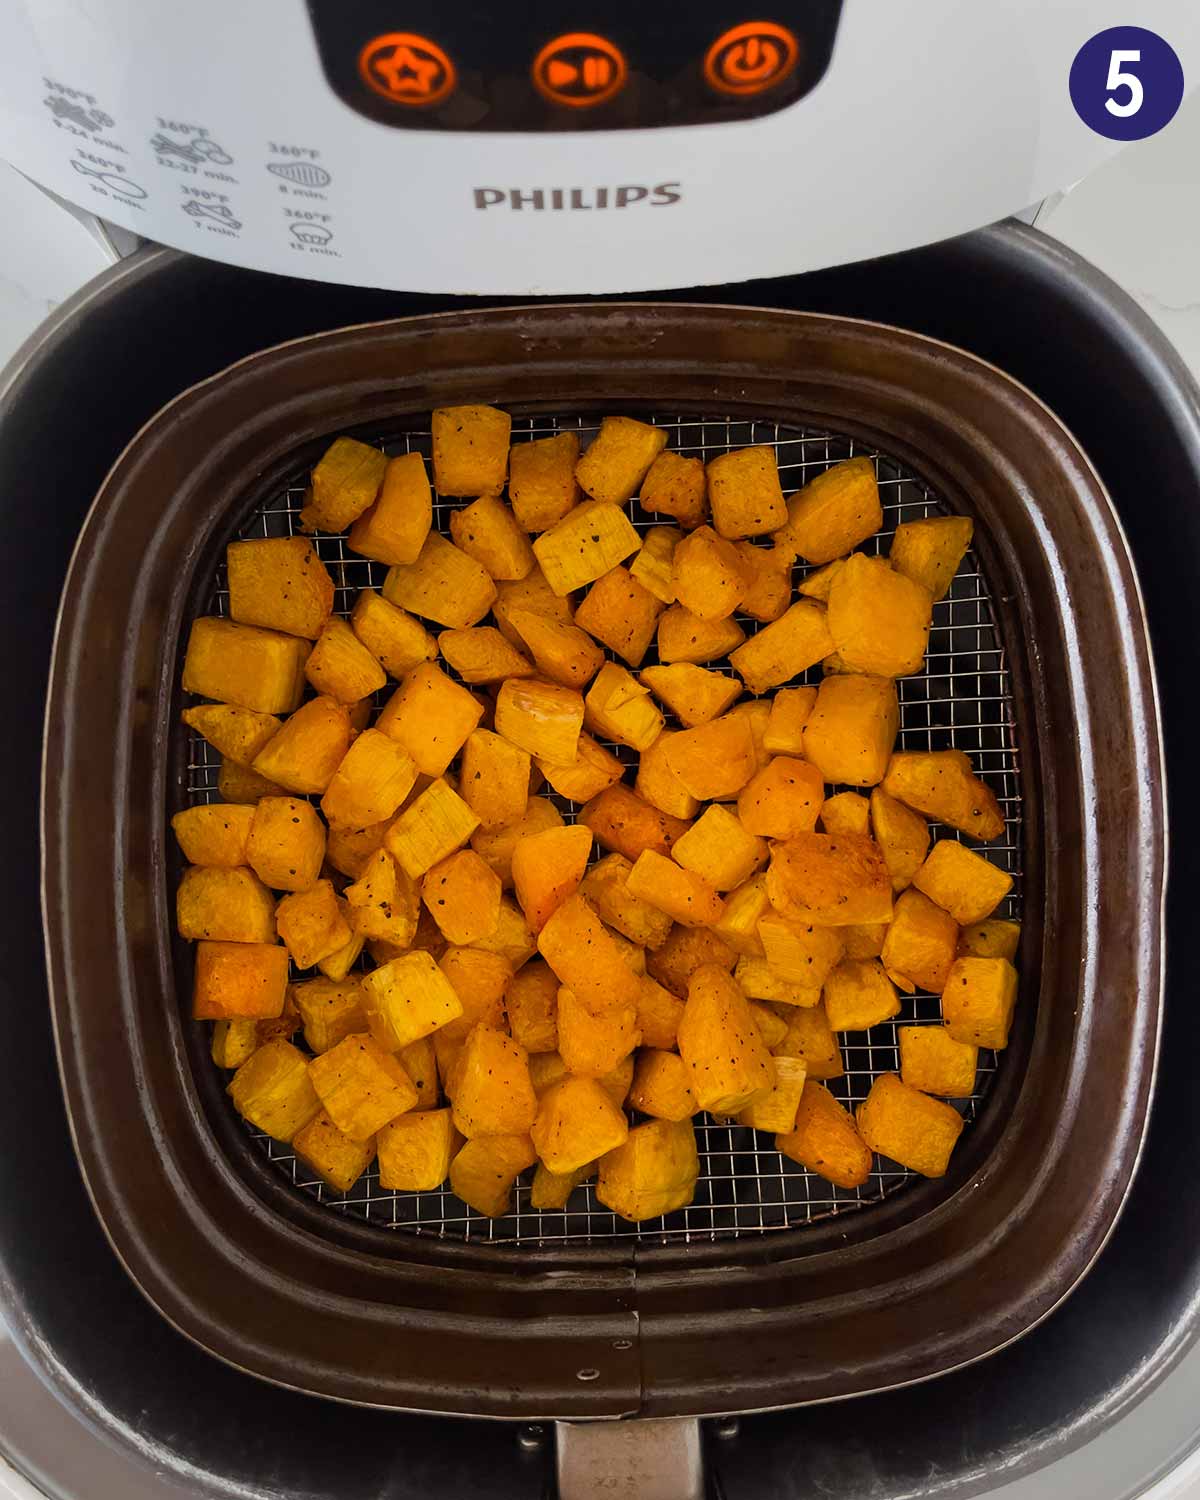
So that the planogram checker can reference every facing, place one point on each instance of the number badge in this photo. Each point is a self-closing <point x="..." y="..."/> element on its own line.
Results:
<point x="1126" y="83"/>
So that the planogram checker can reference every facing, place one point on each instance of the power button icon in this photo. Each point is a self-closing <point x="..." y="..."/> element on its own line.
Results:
<point x="750" y="58"/>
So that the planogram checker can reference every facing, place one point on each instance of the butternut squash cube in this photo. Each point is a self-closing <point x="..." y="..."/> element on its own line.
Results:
<point x="541" y="717"/>
<point x="241" y="785"/>
<point x="858" y="995"/>
<point x="694" y="694"/>
<point x="429" y="829"/>
<point x="279" y="583"/>
<point x="710" y="577"/>
<point x="470" y="449"/>
<point x="547" y="1068"/>
<point x="443" y="585"/>
<point x="529" y="595"/>
<point x="286" y="844"/>
<point x="782" y="650"/>
<point x="495" y="845"/>
<point x="825" y="1139"/>
<point x="658" y="1015"/>
<point x="484" y="1172"/>
<point x="341" y="667"/>
<point x="393" y="637"/>
<point x="337" y="1160"/>
<point x="420" y="1063"/>
<point x="769" y="571"/>
<point x="920" y="945"/>
<point x="344" y="483"/>
<point x="718" y="1040"/>
<point x="830" y="879"/>
<point x="992" y="939"/>
<point x="394" y="528"/>
<point x="384" y="901"/>
<point x="942" y="785"/>
<point x="783" y="799"/>
<point x="244" y="665"/>
<point x="978" y="1001"/>
<point x="878" y="619"/>
<point x="375" y="776"/>
<point x="776" y="1111"/>
<point x="547" y="868"/>
<point x="593" y="769"/>
<point x="541" y="480"/>
<point x="493" y="1094"/>
<point x="653" y="567"/>
<point x="510" y="939"/>
<point x="272" y="1090"/>
<point x="407" y="999"/>
<point x="563" y="653"/>
<point x="658" y="785"/>
<point x="588" y="542"/>
<point x="620" y="708"/>
<point x="902" y="834"/>
<point x="482" y="655"/>
<point x="430" y="716"/>
<point x="932" y="1061"/>
<point x="487" y="531"/>
<point x="576" y="1123"/>
<point x="309" y="748"/>
<point x="962" y="882"/>
<point x="683" y="636"/>
<point x="745" y="907"/>
<point x="494" y="779"/>
<point x="852" y="728"/>
<point x="214" y="834"/>
<point x="552" y="1190"/>
<point x="622" y="614"/>
<point x="237" y="733"/>
<point x="337" y="965"/>
<point x="682" y="894"/>
<point x="662" y="1086"/>
<point x="800" y="951"/>
<point x="462" y="894"/>
<point x="719" y="849"/>
<point x="745" y="494"/>
<point x="618" y="458"/>
<point x="757" y="714"/>
<point x="531" y="1000"/>
<point x="716" y="759"/>
<point x="238" y="981"/>
<point x="480" y="980"/>
<point x="816" y="584"/>
<point x="909" y="1127"/>
<point x="760" y="980"/>
<point x="864" y="940"/>
<point x="329" y="1010"/>
<point x="592" y="1044"/>
<point x="233" y="1042"/>
<point x="848" y="812"/>
<point x="771" y="1025"/>
<point x="606" y="886"/>
<point x="654" y="1173"/>
<point x="311" y="924"/>
<point x="810" y="1038"/>
<point x="686" y="950"/>
<point x="415" y="1151"/>
<point x="634" y="956"/>
<point x="930" y="551"/>
<point x="587" y="959"/>
<point x="834" y="512"/>
<point x="676" y="486"/>
<point x="625" y="823"/>
<point x="361" y="1086"/>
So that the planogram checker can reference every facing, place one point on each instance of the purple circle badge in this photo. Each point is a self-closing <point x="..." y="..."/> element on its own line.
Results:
<point x="1126" y="83"/>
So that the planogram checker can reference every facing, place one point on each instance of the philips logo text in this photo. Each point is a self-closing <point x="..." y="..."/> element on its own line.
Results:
<point x="556" y="199"/>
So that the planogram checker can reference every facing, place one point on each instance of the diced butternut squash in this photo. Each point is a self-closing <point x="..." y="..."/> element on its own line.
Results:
<point x="341" y="667"/>
<point x="745" y="907"/>
<point x="782" y="650"/>
<point x="393" y="637"/>
<point x="834" y="512"/>
<point x="932" y="1061"/>
<point x="816" y="584"/>
<point x="962" y="882"/>
<point x="470" y="449"/>
<point x="800" y="951"/>
<point x="810" y="1038"/>
<point x="228" y="906"/>
<point x="757" y="714"/>
<point x="683" y="636"/>
<point x="239" y="981"/>
<point x="776" y="1111"/>
<point x="790" y="711"/>
<point x="902" y="834"/>
<point x="530" y="595"/>
<point x="562" y="651"/>
<point x="482" y="655"/>
<point x="430" y="716"/>
<point x="606" y="887"/>
<point x="710" y="578"/>
<point x="329" y="1010"/>
<point x="771" y="1025"/>
<point x="407" y="999"/>
<point x="279" y="583"/>
<point x="745" y="494"/>
<point x="344" y="484"/>
<point x="336" y="1159"/>
<point x="394" y="529"/>
<point x="858" y="995"/>
<point x="309" y="748"/>
<point x="493" y="1094"/>
<point x="848" y="812"/>
<point x="531" y="1001"/>
<point x="237" y="733"/>
<point x="484" y="1172"/>
<point x="654" y="1173"/>
<point x="494" y="779"/>
<point x="978" y="1001"/>
<point x="431" y="827"/>
<point x="233" y="1042"/>
<point x="620" y="708"/>
<point x="618" y="458"/>
<point x="462" y="895"/>
<point x="878" y="618"/>
<point x="415" y="1151"/>
<point x="762" y="981"/>
<point x="496" y="845"/>
<point x="686" y="950"/>
<point x="384" y="901"/>
<point x="942" y="785"/>
<point x="587" y="959"/>
<point x="239" y="784"/>
<point x="716" y="759"/>
<point x="920" y="945"/>
<point x="662" y="1086"/>
<point x="541" y="717"/>
<point x="286" y="844"/>
<point x="552" y="1190"/>
<point x="272" y="1090"/>
<point x="783" y="799"/>
<point x="487" y="531"/>
<point x="547" y="868"/>
<point x="653" y="567"/>
<point x="852" y="728"/>
<point x="576" y="1123"/>
<point x="719" y="849"/>
<point x="587" y="543"/>
<point x="244" y="665"/>
<point x="994" y="939"/>
<point x="930" y="551"/>
<point x="375" y="776"/>
<point x="825" y="1139"/>
<point x="592" y="1045"/>
<point x="479" y="979"/>
<point x="593" y="769"/>
<point x="547" y="1068"/>
<point x="864" y="939"/>
<point x="718" y="1040"/>
<point x="625" y="823"/>
<point x="909" y="1127"/>
<point x="694" y="694"/>
<point x="621" y="614"/>
<point x="676" y="486"/>
<point x="420" y="1063"/>
<point x="829" y="879"/>
<point x="682" y="894"/>
<point x="657" y="783"/>
<point x="337" y="965"/>
<point x="511" y="938"/>
<point x="214" y="834"/>
<point x="769" y="590"/>
<point x="541" y="480"/>
<point x="361" y="1086"/>
<point x="312" y="925"/>
<point x="443" y="584"/>
<point x="658" y="1015"/>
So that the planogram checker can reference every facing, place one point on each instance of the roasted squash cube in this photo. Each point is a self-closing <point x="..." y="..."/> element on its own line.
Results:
<point x="622" y="821"/>
<point x="653" y="567"/>
<point x="760" y="980"/>
<point x="341" y="667"/>
<point x="239" y="981"/>
<point x="593" y="769"/>
<point x="858" y="995"/>
<point x="932" y="1061"/>
<point x="531" y="1000"/>
<point x="718" y="1040"/>
<point x="830" y="879"/>
<point x="462" y="895"/>
<point x="902" y="834"/>
<point x="286" y="844"/>
<point x="593" y="1044"/>
<point x="920" y="945"/>
<point x="676" y="486"/>
<point x="563" y="653"/>
<point x="415" y="1151"/>
<point x="576" y="1123"/>
<point x="482" y="655"/>
<point x="337" y="965"/>
<point x="529" y="595"/>
<point x="470" y="449"/>
<point x="587" y="543"/>
<point x="618" y="458"/>
<point x="744" y="492"/>
<point x="994" y="939"/>
<point x="658" y="1015"/>
<point x="682" y="894"/>
<point x="878" y="618"/>
<point x="329" y="1010"/>
<point x="587" y="959"/>
<point x="279" y="583"/>
<point x="686" y="950"/>
<point x="479" y="979"/>
<point x="244" y="665"/>
<point x="864" y="939"/>
<point x="816" y="584"/>
<point x="810" y="1038"/>
<point x="541" y="480"/>
<point x="420" y="1063"/>
<point x="493" y="1094"/>
<point x="653" y="1173"/>
<point x="511" y="938"/>
<point x="547" y="1068"/>
<point x="769" y="570"/>
<point x="662" y="1086"/>
<point x="361" y="1086"/>
<point x="233" y="1042"/>
<point x="484" y="1172"/>
<point x="214" y="834"/>
<point x="658" y="785"/>
<point x="929" y="551"/>
<point x="825" y="1139"/>
<point x="757" y="714"/>
<point x="978" y="1001"/>
<point x="396" y="640"/>
<point x="800" y="951"/>
<point x="375" y="776"/>
<point x="776" y="1111"/>
<point x="495" y="845"/>
<point x="430" y="716"/>
<point x="541" y="717"/>
<point x="547" y="868"/>
<point x="714" y="760"/>
<point x="272" y="1090"/>
<point x="782" y="650"/>
<point x="237" y="733"/>
<point x="622" y="614"/>
<point x="848" y="812"/>
<point x="719" y="849"/>
<point x="852" y="728"/>
<point x="962" y="882"/>
<point x="683" y="636"/>
<point x="384" y="901"/>
<point x="745" y="907"/>
<point x="344" y="483"/>
<point x="772" y="1026"/>
<point x="393" y="530"/>
<point x="942" y="785"/>
<point x="618" y="707"/>
<point x="606" y="886"/>
<point x="487" y="531"/>
<point x="494" y="779"/>
<point x="694" y="694"/>
<point x="312" y="925"/>
<point x="429" y="829"/>
<point x="309" y="748"/>
<point x="710" y="577"/>
<point x="552" y="1190"/>
<point x="834" y="512"/>
<point x="407" y="999"/>
<point x="443" y="585"/>
<point x="783" y="799"/>
<point x="337" y="1160"/>
<point x="909" y="1127"/>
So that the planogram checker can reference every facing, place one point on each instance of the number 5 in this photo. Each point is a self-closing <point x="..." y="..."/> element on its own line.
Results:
<point x="1130" y="80"/>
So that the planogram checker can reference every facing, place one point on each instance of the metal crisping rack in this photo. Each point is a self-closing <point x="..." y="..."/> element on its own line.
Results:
<point x="961" y="699"/>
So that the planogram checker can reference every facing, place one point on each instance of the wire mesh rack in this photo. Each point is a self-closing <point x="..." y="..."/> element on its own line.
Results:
<point x="961" y="699"/>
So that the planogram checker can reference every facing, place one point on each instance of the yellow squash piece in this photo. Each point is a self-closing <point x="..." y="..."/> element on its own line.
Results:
<point x="676" y="486"/>
<point x="272" y="1090"/>
<point x="848" y="812"/>
<point x="375" y="776"/>
<point x="484" y="1173"/>
<point x="962" y="882"/>
<point x="593" y="1044"/>
<point x="443" y="585"/>
<point x="727" y="1061"/>
<point x="908" y="1126"/>
<point x="932" y="1061"/>
<point x="618" y="459"/>
<point x="586" y="958"/>
<point x="541" y="480"/>
<point x="930" y="551"/>
<point x="816" y="585"/>
<point x="622" y="614"/>
<point x="493" y="1094"/>
<point x="783" y="799"/>
<point x="745" y="494"/>
<point x="237" y="733"/>
<point x="470" y="449"/>
<point x="782" y="650"/>
<point x="710" y="577"/>
<point x="462" y="894"/>
<point x="337" y="1160"/>
<point x="745" y="907"/>
<point x="606" y="886"/>
<point x="394" y="529"/>
<point x="994" y="939"/>
<point x="341" y="667"/>
<point x="494" y="779"/>
<point x="588" y="542"/>
<point x="330" y="1010"/>
<point x="239" y="981"/>
<point x="233" y="1042"/>
<point x="563" y="653"/>
<point x="694" y="694"/>
<point x="682" y="894"/>
<point x="228" y="906"/>
<point x="878" y="619"/>
<point x="407" y="999"/>
<point x="286" y="844"/>
<point x="244" y="665"/>
<point x="902" y="834"/>
<point x="800" y="951"/>
<point x="790" y="712"/>
<point x="396" y="640"/>
<point x="547" y="868"/>
<point x="279" y="583"/>
<point x="825" y="1139"/>
<point x="921" y="943"/>
<point x="487" y="531"/>
<point x="214" y="834"/>
<point x="653" y="567"/>
<point x="830" y="880"/>
<point x="978" y="1001"/>
<point x="683" y="636"/>
<point x="686" y="950"/>
<point x="810" y="1038"/>
<point x="719" y="849"/>
<point x="415" y="1151"/>
<point x="312" y="925"/>
<point x="481" y="655"/>
<point x="384" y="901"/>
<point x="593" y="769"/>
<point x="541" y="717"/>
<point x="431" y="827"/>
<point x="531" y="1002"/>
<point x="662" y="1086"/>
<point x="657" y="784"/>
<point x="626" y="823"/>
<point x="942" y="785"/>
<point x="344" y="484"/>
<point x="716" y="759"/>
<point x="619" y="707"/>
<point x="653" y="1173"/>
<point x="858" y="995"/>
<point x="552" y="1190"/>
<point x="658" y="1015"/>
<point x="576" y="1123"/>
<point x="361" y="1086"/>
<point x="834" y="512"/>
<point x="496" y="845"/>
<point x="852" y="728"/>
<point x="529" y="595"/>
<point x="309" y="748"/>
<point x="430" y="716"/>
<point x="769" y="570"/>
<point x="776" y="1111"/>
<point x="760" y="980"/>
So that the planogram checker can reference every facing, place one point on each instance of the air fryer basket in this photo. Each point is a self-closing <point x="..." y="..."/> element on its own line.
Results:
<point x="926" y="1280"/>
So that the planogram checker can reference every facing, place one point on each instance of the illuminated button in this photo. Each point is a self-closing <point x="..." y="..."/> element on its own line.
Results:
<point x="407" y="69"/>
<point x="579" y="70"/>
<point x="750" y="58"/>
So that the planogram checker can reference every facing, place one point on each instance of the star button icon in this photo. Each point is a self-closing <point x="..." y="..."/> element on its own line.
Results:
<point x="407" y="69"/>
<point x="407" y="72"/>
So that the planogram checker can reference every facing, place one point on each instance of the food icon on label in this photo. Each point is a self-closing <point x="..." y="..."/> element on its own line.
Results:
<point x="302" y="173"/>
<point x="221" y="212"/>
<point x="749" y="58"/>
<point x="200" y="148"/>
<point x="579" y="69"/>
<point x="407" y="69"/>
<point x="77" y="114"/>
<point x="112" y="180"/>
<point x="312" y="234"/>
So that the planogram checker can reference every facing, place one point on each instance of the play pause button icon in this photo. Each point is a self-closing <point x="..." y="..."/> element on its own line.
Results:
<point x="579" y="70"/>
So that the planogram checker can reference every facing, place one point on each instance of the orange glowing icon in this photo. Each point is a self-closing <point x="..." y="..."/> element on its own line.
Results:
<point x="407" y="69"/>
<point x="751" y="57"/>
<point x="579" y="70"/>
